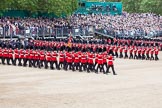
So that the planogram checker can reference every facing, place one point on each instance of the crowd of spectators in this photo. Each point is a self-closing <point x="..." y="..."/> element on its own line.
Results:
<point x="135" y="24"/>
<point x="125" y="25"/>
<point x="40" y="26"/>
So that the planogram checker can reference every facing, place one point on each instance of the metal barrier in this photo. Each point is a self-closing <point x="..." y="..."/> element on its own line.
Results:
<point x="60" y="32"/>
<point x="139" y="33"/>
<point x="37" y="32"/>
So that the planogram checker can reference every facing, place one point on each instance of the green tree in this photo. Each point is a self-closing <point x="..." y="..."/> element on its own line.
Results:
<point x="154" y="6"/>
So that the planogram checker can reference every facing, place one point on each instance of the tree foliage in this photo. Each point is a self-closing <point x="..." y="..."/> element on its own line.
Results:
<point x="60" y="7"/>
<point x="138" y="6"/>
<point x="57" y="7"/>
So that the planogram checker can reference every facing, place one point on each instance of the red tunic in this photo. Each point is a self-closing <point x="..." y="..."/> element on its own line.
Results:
<point x="157" y="51"/>
<point x="69" y="59"/>
<point x="16" y="53"/>
<point x="90" y="59"/>
<point x="5" y="53"/>
<point x="54" y="56"/>
<point x="121" y="49"/>
<point x="83" y="59"/>
<point x="21" y="54"/>
<point x="152" y="51"/>
<point x="10" y="53"/>
<point x="131" y="50"/>
<point x="42" y="55"/>
<point x="48" y="56"/>
<point x="143" y="51"/>
<point x="76" y="58"/>
<point x="62" y="58"/>
<point x="37" y="55"/>
<point x="100" y="59"/>
<point x="110" y="60"/>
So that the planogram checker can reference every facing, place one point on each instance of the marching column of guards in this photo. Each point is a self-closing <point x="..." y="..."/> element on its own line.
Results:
<point x="79" y="57"/>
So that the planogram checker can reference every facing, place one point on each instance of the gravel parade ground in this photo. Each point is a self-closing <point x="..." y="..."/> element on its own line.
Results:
<point x="137" y="85"/>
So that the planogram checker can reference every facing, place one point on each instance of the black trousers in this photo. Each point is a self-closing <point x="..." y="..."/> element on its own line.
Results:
<point x="116" y="54"/>
<point x="131" y="56"/>
<point x="152" y="57"/>
<point x="52" y="64"/>
<point x="3" y="60"/>
<point x="60" y="65"/>
<point x="84" y="65"/>
<point x="101" y="67"/>
<point x="90" y="67"/>
<point x="156" y="57"/>
<point x="112" y="67"/>
<point x="25" y="60"/>
<point x="46" y="63"/>
<point x="69" y="65"/>
<point x="36" y="63"/>
<point x="41" y="63"/>
<point x="121" y="55"/>
<point x="30" y="62"/>
<point x="65" y="63"/>
<point x="143" y="56"/>
<point x="15" y="61"/>
<point x="20" y="64"/>
<point x="139" y="56"/>
<point x="147" y="57"/>
<point x="126" y="55"/>
<point x="76" y="66"/>
<point x="10" y="59"/>
<point x="135" y="56"/>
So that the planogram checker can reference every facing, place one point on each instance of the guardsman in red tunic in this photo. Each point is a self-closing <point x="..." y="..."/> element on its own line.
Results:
<point x="69" y="61"/>
<point x="116" y="51"/>
<point x="143" y="53"/>
<point x="139" y="53"/>
<point x="104" y="59"/>
<point x="76" y="62"/>
<point x="36" y="59"/>
<point x="31" y="56"/>
<point x="147" y="53"/>
<point x="110" y="64"/>
<point x="152" y="53"/>
<point x="61" y="60"/>
<point x="96" y="59"/>
<point x="156" y="54"/>
<point x="100" y="64"/>
<point x="126" y="52"/>
<point x="48" y="59"/>
<point x="21" y="56"/>
<point x="90" y="62"/>
<point x="131" y="53"/>
<point x="121" y="52"/>
<point x="66" y="57"/>
<point x="10" y="56"/>
<point x="5" y="55"/>
<point x="83" y="62"/>
<point x="42" y="58"/>
<point x="135" y="53"/>
<point x="26" y="57"/>
<point x="54" y="60"/>
<point x="16" y="54"/>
